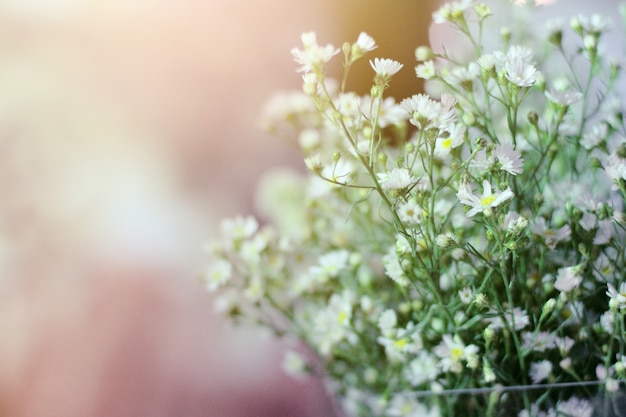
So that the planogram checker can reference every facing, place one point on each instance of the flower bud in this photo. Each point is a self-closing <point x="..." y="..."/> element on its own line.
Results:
<point x="488" y="335"/>
<point x="548" y="307"/>
<point x="505" y="34"/>
<point x="594" y="162"/>
<point x="488" y="375"/>
<point x="576" y="25"/>
<point x="424" y="53"/>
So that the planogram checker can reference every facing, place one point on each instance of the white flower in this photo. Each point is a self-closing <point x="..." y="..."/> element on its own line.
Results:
<point x="426" y="70"/>
<point x="594" y="136"/>
<point x="397" y="179"/>
<point x="540" y="371"/>
<point x="332" y="324"/>
<point x="410" y="212"/>
<point x="341" y="171"/>
<point x="313" y="57"/>
<point x="451" y="12"/>
<point x="364" y="43"/>
<point x="403" y="342"/>
<point x="386" y="113"/>
<point x="405" y="404"/>
<point x="349" y="105"/>
<point x="217" y="274"/>
<point x="517" y="65"/>
<point x="385" y="67"/>
<point x="423" y="53"/>
<point x="604" y="232"/>
<point x="331" y="263"/>
<point x="617" y="298"/>
<point x="452" y="351"/>
<point x="615" y="167"/>
<point x="464" y="76"/>
<point x="422" y="369"/>
<point x="455" y="138"/>
<point x="568" y="278"/>
<point x="314" y="163"/>
<point x="393" y="269"/>
<point x="607" y="321"/>
<point x="593" y="24"/>
<point x="487" y="63"/>
<point x="575" y="407"/>
<point x="539" y="342"/>
<point x="517" y="317"/>
<point x="466" y="295"/>
<point x="250" y="250"/>
<point x="239" y="228"/>
<point x="426" y="113"/>
<point x="564" y="344"/>
<point x="551" y="236"/>
<point x="387" y="322"/>
<point x="294" y="364"/>
<point x="564" y="98"/>
<point x="484" y="203"/>
<point x="508" y="159"/>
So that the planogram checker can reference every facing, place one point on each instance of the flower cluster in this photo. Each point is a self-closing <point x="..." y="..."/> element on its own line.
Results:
<point x="449" y="253"/>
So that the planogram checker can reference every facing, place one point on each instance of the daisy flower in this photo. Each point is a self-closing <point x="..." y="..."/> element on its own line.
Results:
<point x="508" y="159"/>
<point x="452" y="351"/>
<point x="397" y="179"/>
<point x="385" y="67"/>
<point x="485" y="203"/>
<point x="517" y="65"/>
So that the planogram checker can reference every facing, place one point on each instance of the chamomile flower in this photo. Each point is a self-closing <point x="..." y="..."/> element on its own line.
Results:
<point x="410" y="212"/>
<point x="454" y="139"/>
<point x="397" y="179"/>
<point x="385" y="67"/>
<point x="426" y="70"/>
<point x="452" y="352"/>
<point x="485" y="203"/>
<point x="426" y="113"/>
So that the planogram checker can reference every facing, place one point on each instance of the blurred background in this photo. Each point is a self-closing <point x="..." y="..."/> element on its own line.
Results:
<point x="128" y="128"/>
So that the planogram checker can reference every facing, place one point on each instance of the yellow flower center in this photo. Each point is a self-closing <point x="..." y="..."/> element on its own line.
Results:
<point x="456" y="353"/>
<point x="400" y="343"/>
<point x="447" y="143"/>
<point x="342" y="317"/>
<point x="486" y="201"/>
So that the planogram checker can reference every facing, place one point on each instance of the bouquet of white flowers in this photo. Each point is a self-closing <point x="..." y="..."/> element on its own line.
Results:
<point x="459" y="253"/>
